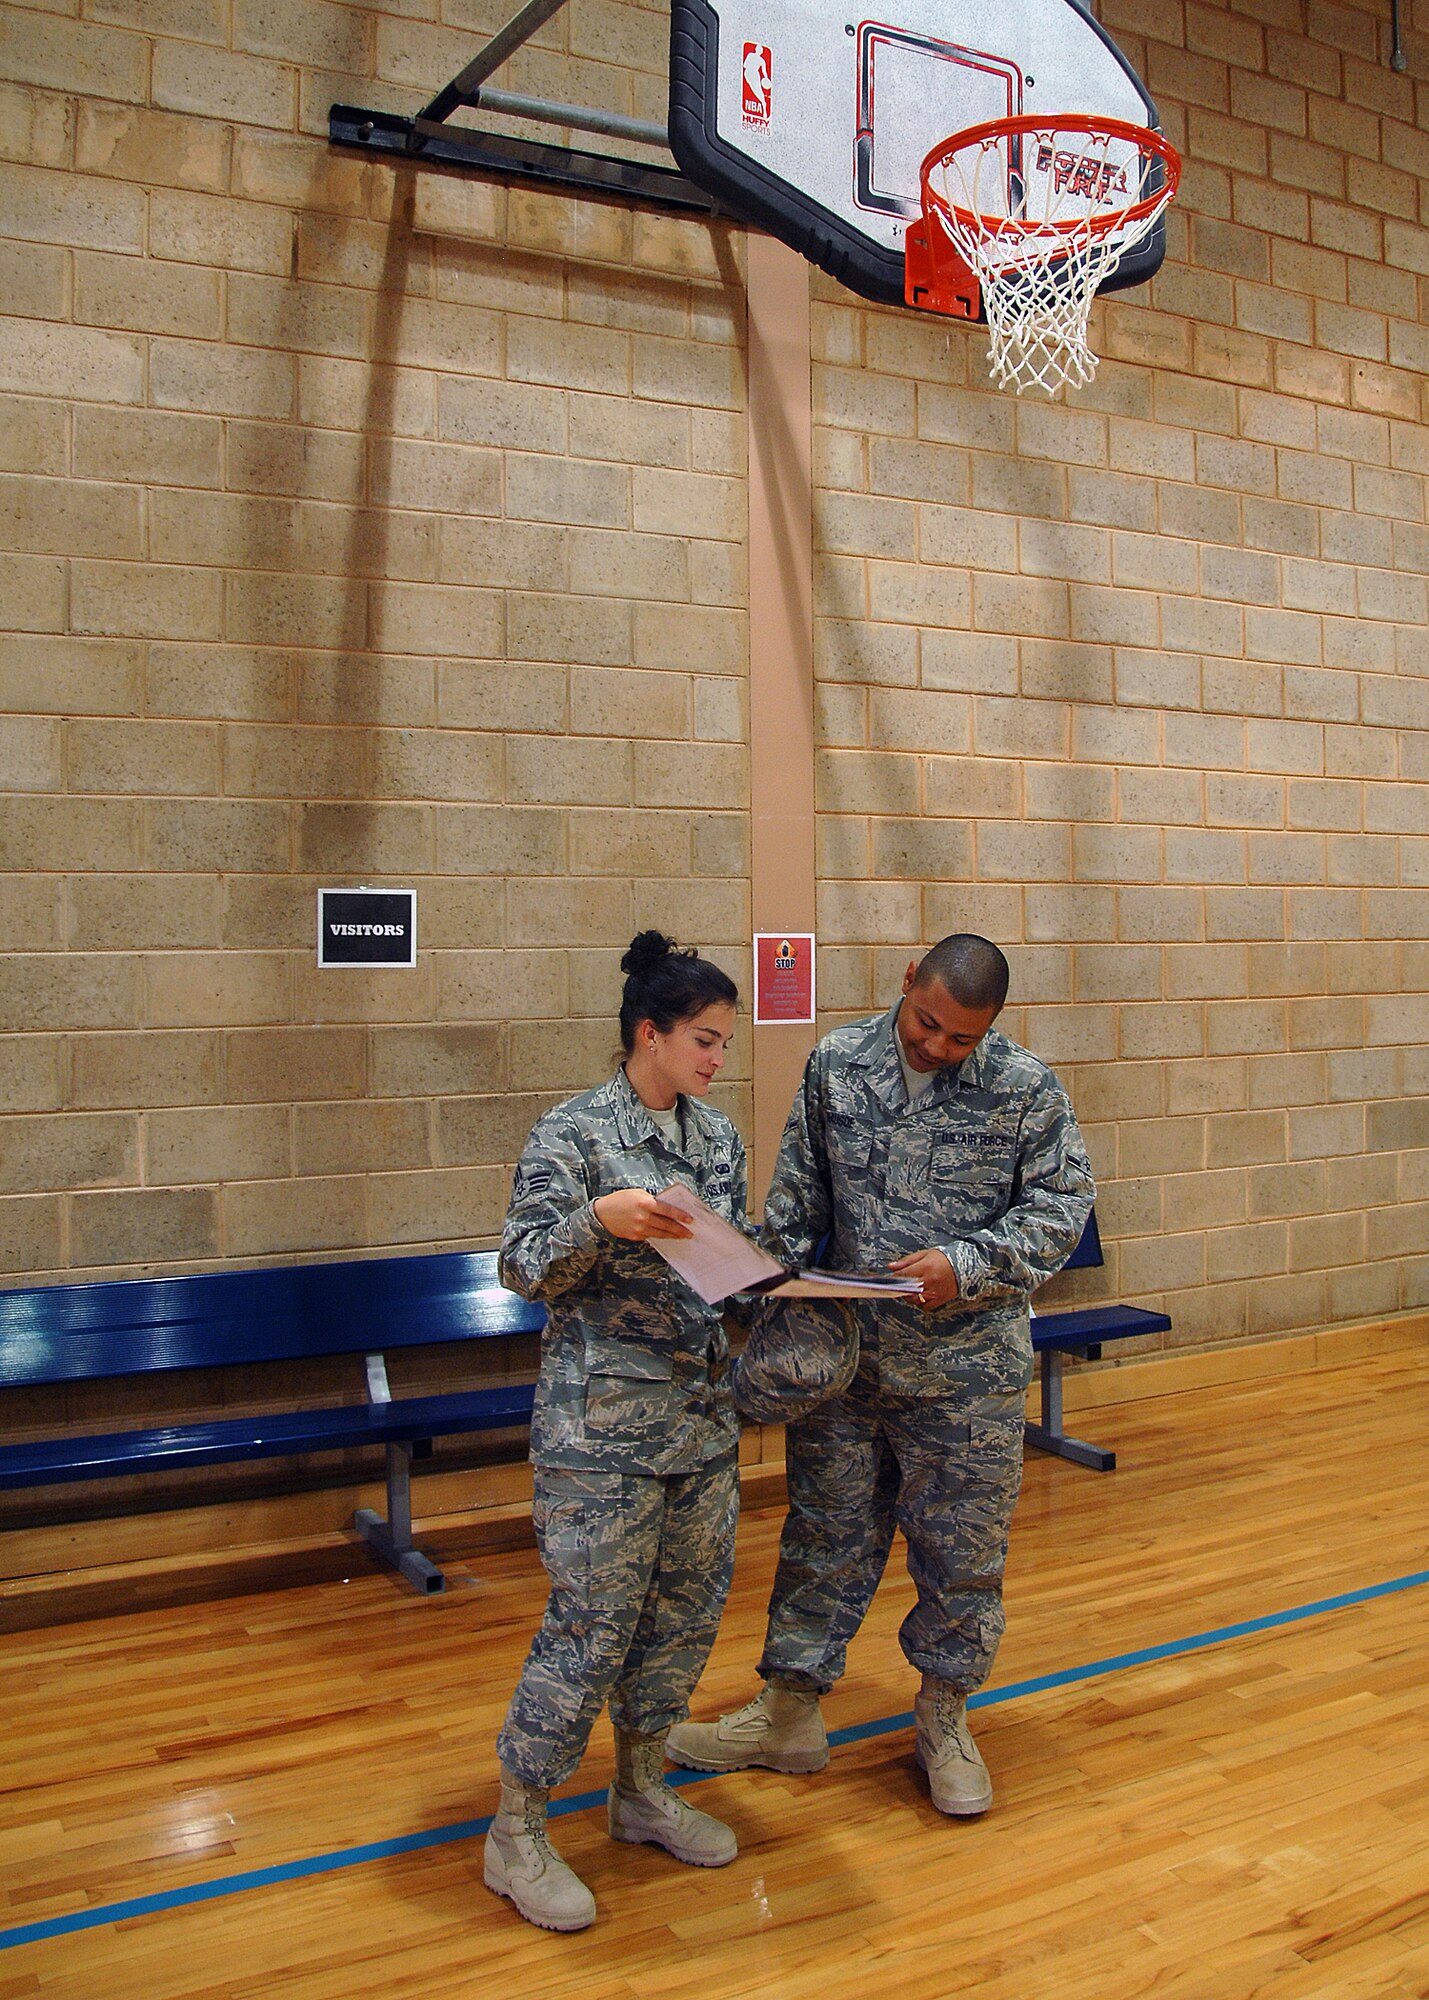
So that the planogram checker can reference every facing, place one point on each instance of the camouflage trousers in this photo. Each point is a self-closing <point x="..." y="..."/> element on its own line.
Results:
<point x="946" y="1470"/>
<point x="639" y="1570"/>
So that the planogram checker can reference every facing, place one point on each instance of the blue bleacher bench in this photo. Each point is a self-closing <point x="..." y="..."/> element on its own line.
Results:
<point x="228" y="1319"/>
<point x="1080" y="1330"/>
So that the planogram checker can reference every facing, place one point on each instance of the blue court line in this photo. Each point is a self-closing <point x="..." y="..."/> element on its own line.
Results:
<point x="469" y="1829"/>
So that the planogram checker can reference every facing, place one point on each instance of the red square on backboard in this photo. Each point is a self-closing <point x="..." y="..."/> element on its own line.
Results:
<point x="783" y="977"/>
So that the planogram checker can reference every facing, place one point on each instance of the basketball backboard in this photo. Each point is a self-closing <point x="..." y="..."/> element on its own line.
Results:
<point x="812" y="120"/>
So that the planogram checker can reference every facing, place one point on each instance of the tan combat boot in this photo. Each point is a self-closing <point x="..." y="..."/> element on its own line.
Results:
<point x="642" y="1807"/>
<point x="957" y="1777"/>
<point x="781" y="1730"/>
<point x="520" y="1863"/>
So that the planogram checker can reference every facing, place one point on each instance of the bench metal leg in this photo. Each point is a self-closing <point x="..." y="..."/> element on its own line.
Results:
<point x="392" y="1539"/>
<point x="1049" y="1435"/>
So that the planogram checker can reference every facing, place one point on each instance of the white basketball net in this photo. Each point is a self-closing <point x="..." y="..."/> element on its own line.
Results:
<point x="1040" y="220"/>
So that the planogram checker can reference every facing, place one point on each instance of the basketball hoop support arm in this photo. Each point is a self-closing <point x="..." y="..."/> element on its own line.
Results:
<point x="465" y="88"/>
<point x="429" y="140"/>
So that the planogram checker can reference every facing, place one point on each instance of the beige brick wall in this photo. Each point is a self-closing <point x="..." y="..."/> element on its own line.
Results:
<point x="359" y="525"/>
<point x="1138" y="681"/>
<point x="362" y="524"/>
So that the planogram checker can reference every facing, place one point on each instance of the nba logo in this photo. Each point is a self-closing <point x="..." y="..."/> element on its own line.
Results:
<point x="758" y="82"/>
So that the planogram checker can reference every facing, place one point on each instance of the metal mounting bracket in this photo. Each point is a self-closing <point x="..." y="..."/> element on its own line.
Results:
<point x="560" y="169"/>
<point x="429" y="140"/>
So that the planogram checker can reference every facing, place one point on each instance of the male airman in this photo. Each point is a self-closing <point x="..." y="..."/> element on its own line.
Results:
<point x="924" y="1141"/>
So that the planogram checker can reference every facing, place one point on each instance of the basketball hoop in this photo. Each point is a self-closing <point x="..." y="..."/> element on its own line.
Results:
<point x="1031" y="216"/>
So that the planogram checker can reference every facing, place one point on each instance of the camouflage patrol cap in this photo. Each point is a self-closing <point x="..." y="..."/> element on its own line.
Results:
<point x="799" y="1352"/>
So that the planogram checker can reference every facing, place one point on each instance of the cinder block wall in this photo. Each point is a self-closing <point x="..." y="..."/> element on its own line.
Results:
<point x="371" y="525"/>
<point x="363" y="525"/>
<point x="1139" y="680"/>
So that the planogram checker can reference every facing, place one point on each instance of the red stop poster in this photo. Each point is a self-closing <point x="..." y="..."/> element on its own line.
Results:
<point x="783" y="977"/>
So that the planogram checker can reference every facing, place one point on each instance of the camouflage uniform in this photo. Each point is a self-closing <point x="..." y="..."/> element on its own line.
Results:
<point x="987" y="1165"/>
<point x="633" y="1434"/>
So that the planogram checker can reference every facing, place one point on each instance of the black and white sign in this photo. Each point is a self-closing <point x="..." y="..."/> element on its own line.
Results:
<point x="367" y="927"/>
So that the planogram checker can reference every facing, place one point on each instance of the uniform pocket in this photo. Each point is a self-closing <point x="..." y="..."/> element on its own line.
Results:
<point x="849" y="1142"/>
<point x="971" y="1184"/>
<point x="582" y="1531"/>
<point x="567" y="1513"/>
<point x="715" y="1187"/>
<point x="994" y="1474"/>
<point x="962" y="1162"/>
<point x="628" y="1388"/>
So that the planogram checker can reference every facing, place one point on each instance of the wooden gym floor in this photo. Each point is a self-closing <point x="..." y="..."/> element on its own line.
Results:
<point x="1240" y="1817"/>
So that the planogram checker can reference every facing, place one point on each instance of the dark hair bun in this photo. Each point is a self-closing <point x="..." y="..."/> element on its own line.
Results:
<point x="646" y="951"/>
<point x="667" y="983"/>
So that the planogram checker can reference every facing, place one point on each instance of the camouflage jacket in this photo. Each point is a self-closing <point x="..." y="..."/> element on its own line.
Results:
<point x="986" y="1165"/>
<point x="634" y="1364"/>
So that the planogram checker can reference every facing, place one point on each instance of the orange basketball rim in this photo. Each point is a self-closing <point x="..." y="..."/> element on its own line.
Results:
<point x="1026" y="218"/>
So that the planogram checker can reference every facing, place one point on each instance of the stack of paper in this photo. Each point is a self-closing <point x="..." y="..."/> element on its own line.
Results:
<point x="715" y="1260"/>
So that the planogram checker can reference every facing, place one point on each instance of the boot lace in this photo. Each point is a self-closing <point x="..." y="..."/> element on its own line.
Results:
<point x="751" y="1720"/>
<point x="950" y="1713"/>
<point x="533" y="1826"/>
<point x="675" y="1809"/>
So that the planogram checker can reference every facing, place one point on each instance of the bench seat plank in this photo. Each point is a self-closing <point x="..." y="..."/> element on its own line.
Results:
<point x="1088" y="1326"/>
<point x="77" y="1333"/>
<point x="169" y="1447"/>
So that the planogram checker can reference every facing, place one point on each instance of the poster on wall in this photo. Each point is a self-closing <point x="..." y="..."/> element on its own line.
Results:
<point x="783" y="977"/>
<point x="367" y="927"/>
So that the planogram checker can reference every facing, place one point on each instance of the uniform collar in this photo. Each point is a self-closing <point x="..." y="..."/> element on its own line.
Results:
<point x="637" y="1128"/>
<point x="632" y="1121"/>
<point x="878" y="1055"/>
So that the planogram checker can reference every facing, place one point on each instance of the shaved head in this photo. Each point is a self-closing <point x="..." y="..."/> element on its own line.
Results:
<point x="970" y="968"/>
